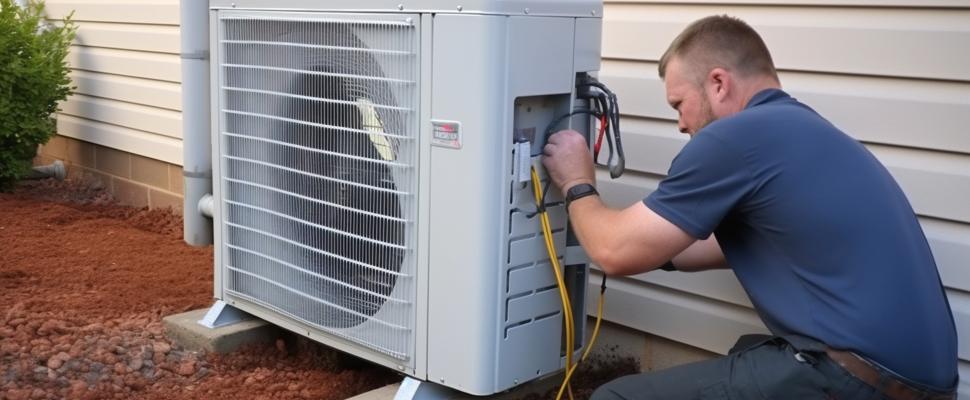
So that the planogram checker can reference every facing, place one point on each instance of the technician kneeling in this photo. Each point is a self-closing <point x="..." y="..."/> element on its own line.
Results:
<point x="816" y="230"/>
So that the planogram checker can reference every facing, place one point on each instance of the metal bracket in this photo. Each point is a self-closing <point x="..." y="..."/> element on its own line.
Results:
<point x="222" y="314"/>
<point x="413" y="389"/>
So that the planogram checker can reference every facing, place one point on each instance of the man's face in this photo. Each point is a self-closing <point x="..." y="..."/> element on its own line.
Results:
<point x="686" y="95"/>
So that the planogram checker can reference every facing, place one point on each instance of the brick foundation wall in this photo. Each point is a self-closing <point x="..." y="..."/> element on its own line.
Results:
<point x="132" y="179"/>
<point x="654" y="352"/>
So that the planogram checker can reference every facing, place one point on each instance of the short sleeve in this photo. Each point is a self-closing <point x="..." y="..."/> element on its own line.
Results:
<point x="706" y="181"/>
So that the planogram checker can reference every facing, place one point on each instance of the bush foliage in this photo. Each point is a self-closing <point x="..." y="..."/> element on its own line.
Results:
<point x="33" y="78"/>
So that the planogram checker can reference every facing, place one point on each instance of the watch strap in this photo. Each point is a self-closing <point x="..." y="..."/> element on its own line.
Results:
<point x="579" y="191"/>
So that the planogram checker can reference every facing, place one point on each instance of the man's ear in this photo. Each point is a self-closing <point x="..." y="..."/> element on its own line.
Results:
<point x="719" y="85"/>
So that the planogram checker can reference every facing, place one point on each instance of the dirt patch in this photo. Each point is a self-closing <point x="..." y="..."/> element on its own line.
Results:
<point x="84" y="284"/>
<point x="69" y="191"/>
<point x="596" y="370"/>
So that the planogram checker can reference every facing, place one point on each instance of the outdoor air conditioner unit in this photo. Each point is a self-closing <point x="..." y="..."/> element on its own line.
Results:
<point x="370" y="168"/>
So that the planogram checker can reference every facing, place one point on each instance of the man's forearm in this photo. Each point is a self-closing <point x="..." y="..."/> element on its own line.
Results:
<point x="625" y="242"/>
<point x="590" y="220"/>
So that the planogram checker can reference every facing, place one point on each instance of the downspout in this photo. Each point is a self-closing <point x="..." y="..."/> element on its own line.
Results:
<point x="196" y="141"/>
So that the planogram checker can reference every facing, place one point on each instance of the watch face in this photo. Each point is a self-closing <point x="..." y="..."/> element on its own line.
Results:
<point x="581" y="188"/>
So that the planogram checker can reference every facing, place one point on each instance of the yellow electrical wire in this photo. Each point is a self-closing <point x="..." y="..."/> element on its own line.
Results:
<point x="589" y="346"/>
<point x="563" y="294"/>
<point x="554" y="261"/>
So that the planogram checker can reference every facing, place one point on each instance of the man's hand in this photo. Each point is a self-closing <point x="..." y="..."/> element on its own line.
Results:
<point x="568" y="160"/>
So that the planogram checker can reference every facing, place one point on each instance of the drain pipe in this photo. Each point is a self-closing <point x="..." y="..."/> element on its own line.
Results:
<point x="54" y="170"/>
<point x="196" y="141"/>
<point x="206" y="204"/>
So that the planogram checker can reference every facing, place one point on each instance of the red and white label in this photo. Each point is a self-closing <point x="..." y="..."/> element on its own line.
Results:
<point x="446" y="134"/>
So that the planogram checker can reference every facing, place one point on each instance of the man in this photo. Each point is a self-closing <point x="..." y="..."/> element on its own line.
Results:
<point x="816" y="230"/>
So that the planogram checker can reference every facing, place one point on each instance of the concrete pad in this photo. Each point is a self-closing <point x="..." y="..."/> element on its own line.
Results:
<point x="184" y="330"/>
<point x="383" y="393"/>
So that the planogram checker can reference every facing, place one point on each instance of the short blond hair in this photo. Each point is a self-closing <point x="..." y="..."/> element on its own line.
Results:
<point x="720" y="41"/>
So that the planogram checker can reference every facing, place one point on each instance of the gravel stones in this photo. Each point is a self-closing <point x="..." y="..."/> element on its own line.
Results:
<point x="161" y="347"/>
<point x="186" y="368"/>
<point x="54" y="363"/>
<point x="104" y="357"/>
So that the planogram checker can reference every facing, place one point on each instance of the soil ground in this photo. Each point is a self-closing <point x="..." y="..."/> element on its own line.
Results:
<point x="84" y="284"/>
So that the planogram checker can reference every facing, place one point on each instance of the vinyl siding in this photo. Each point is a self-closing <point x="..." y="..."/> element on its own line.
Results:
<point x="893" y="74"/>
<point x="126" y="69"/>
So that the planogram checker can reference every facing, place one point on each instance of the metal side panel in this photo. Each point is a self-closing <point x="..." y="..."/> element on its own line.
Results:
<point x="589" y="36"/>
<point x="466" y="200"/>
<point x="540" y="56"/>
<point x="424" y="202"/>
<point x="317" y="180"/>
<point x="542" y="76"/>
<point x="218" y="228"/>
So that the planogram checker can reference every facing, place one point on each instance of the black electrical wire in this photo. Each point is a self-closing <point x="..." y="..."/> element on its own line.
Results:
<point x="612" y="111"/>
<point x="605" y="104"/>
<point x="554" y="123"/>
<point x="603" y="100"/>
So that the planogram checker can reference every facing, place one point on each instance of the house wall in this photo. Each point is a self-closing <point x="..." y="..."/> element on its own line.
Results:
<point x="123" y="124"/>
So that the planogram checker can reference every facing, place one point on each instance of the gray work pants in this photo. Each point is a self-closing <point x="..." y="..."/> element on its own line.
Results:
<point x="790" y="367"/>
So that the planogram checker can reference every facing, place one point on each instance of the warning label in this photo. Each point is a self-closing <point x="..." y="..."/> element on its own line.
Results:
<point x="446" y="134"/>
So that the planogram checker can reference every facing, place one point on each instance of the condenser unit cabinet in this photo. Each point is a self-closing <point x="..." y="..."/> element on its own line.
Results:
<point x="370" y="166"/>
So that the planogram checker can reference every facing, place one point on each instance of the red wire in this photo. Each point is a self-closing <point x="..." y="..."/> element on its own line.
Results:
<point x="599" y="138"/>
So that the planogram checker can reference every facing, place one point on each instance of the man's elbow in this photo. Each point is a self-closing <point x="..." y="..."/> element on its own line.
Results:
<point x="616" y="263"/>
<point x="601" y="257"/>
<point x="612" y="269"/>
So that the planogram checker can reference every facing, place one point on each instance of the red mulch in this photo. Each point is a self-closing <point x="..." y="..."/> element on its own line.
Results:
<point x="84" y="284"/>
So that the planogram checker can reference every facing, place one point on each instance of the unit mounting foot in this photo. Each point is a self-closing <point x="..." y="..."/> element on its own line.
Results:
<point x="222" y="314"/>
<point x="413" y="389"/>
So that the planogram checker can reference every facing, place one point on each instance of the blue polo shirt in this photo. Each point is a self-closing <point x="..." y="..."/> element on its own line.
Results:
<point x="819" y="234"/>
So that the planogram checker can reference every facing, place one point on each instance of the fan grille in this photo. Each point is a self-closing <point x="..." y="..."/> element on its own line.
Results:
<point x="317" y="142"/>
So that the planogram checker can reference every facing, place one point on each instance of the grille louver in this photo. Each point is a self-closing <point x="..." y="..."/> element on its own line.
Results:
<point x="317" y="143"/>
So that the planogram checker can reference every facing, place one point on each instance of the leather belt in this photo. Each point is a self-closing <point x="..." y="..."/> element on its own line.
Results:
<point x="883" y="382"/>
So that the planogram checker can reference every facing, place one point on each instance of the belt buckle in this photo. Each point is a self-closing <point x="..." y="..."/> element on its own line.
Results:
<point x="804" y="358"/>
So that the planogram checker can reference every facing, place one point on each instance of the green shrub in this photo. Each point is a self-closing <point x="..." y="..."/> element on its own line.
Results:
<point x="33" y="78"/>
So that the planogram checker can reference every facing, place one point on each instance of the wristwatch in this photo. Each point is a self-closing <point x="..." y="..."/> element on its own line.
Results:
<point x="579" y="191"/>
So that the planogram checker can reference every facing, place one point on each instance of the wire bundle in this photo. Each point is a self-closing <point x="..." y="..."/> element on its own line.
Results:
<point x="605" y="109"/>
<point x="569" y="325"/>
<point x="608" y="108"/>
